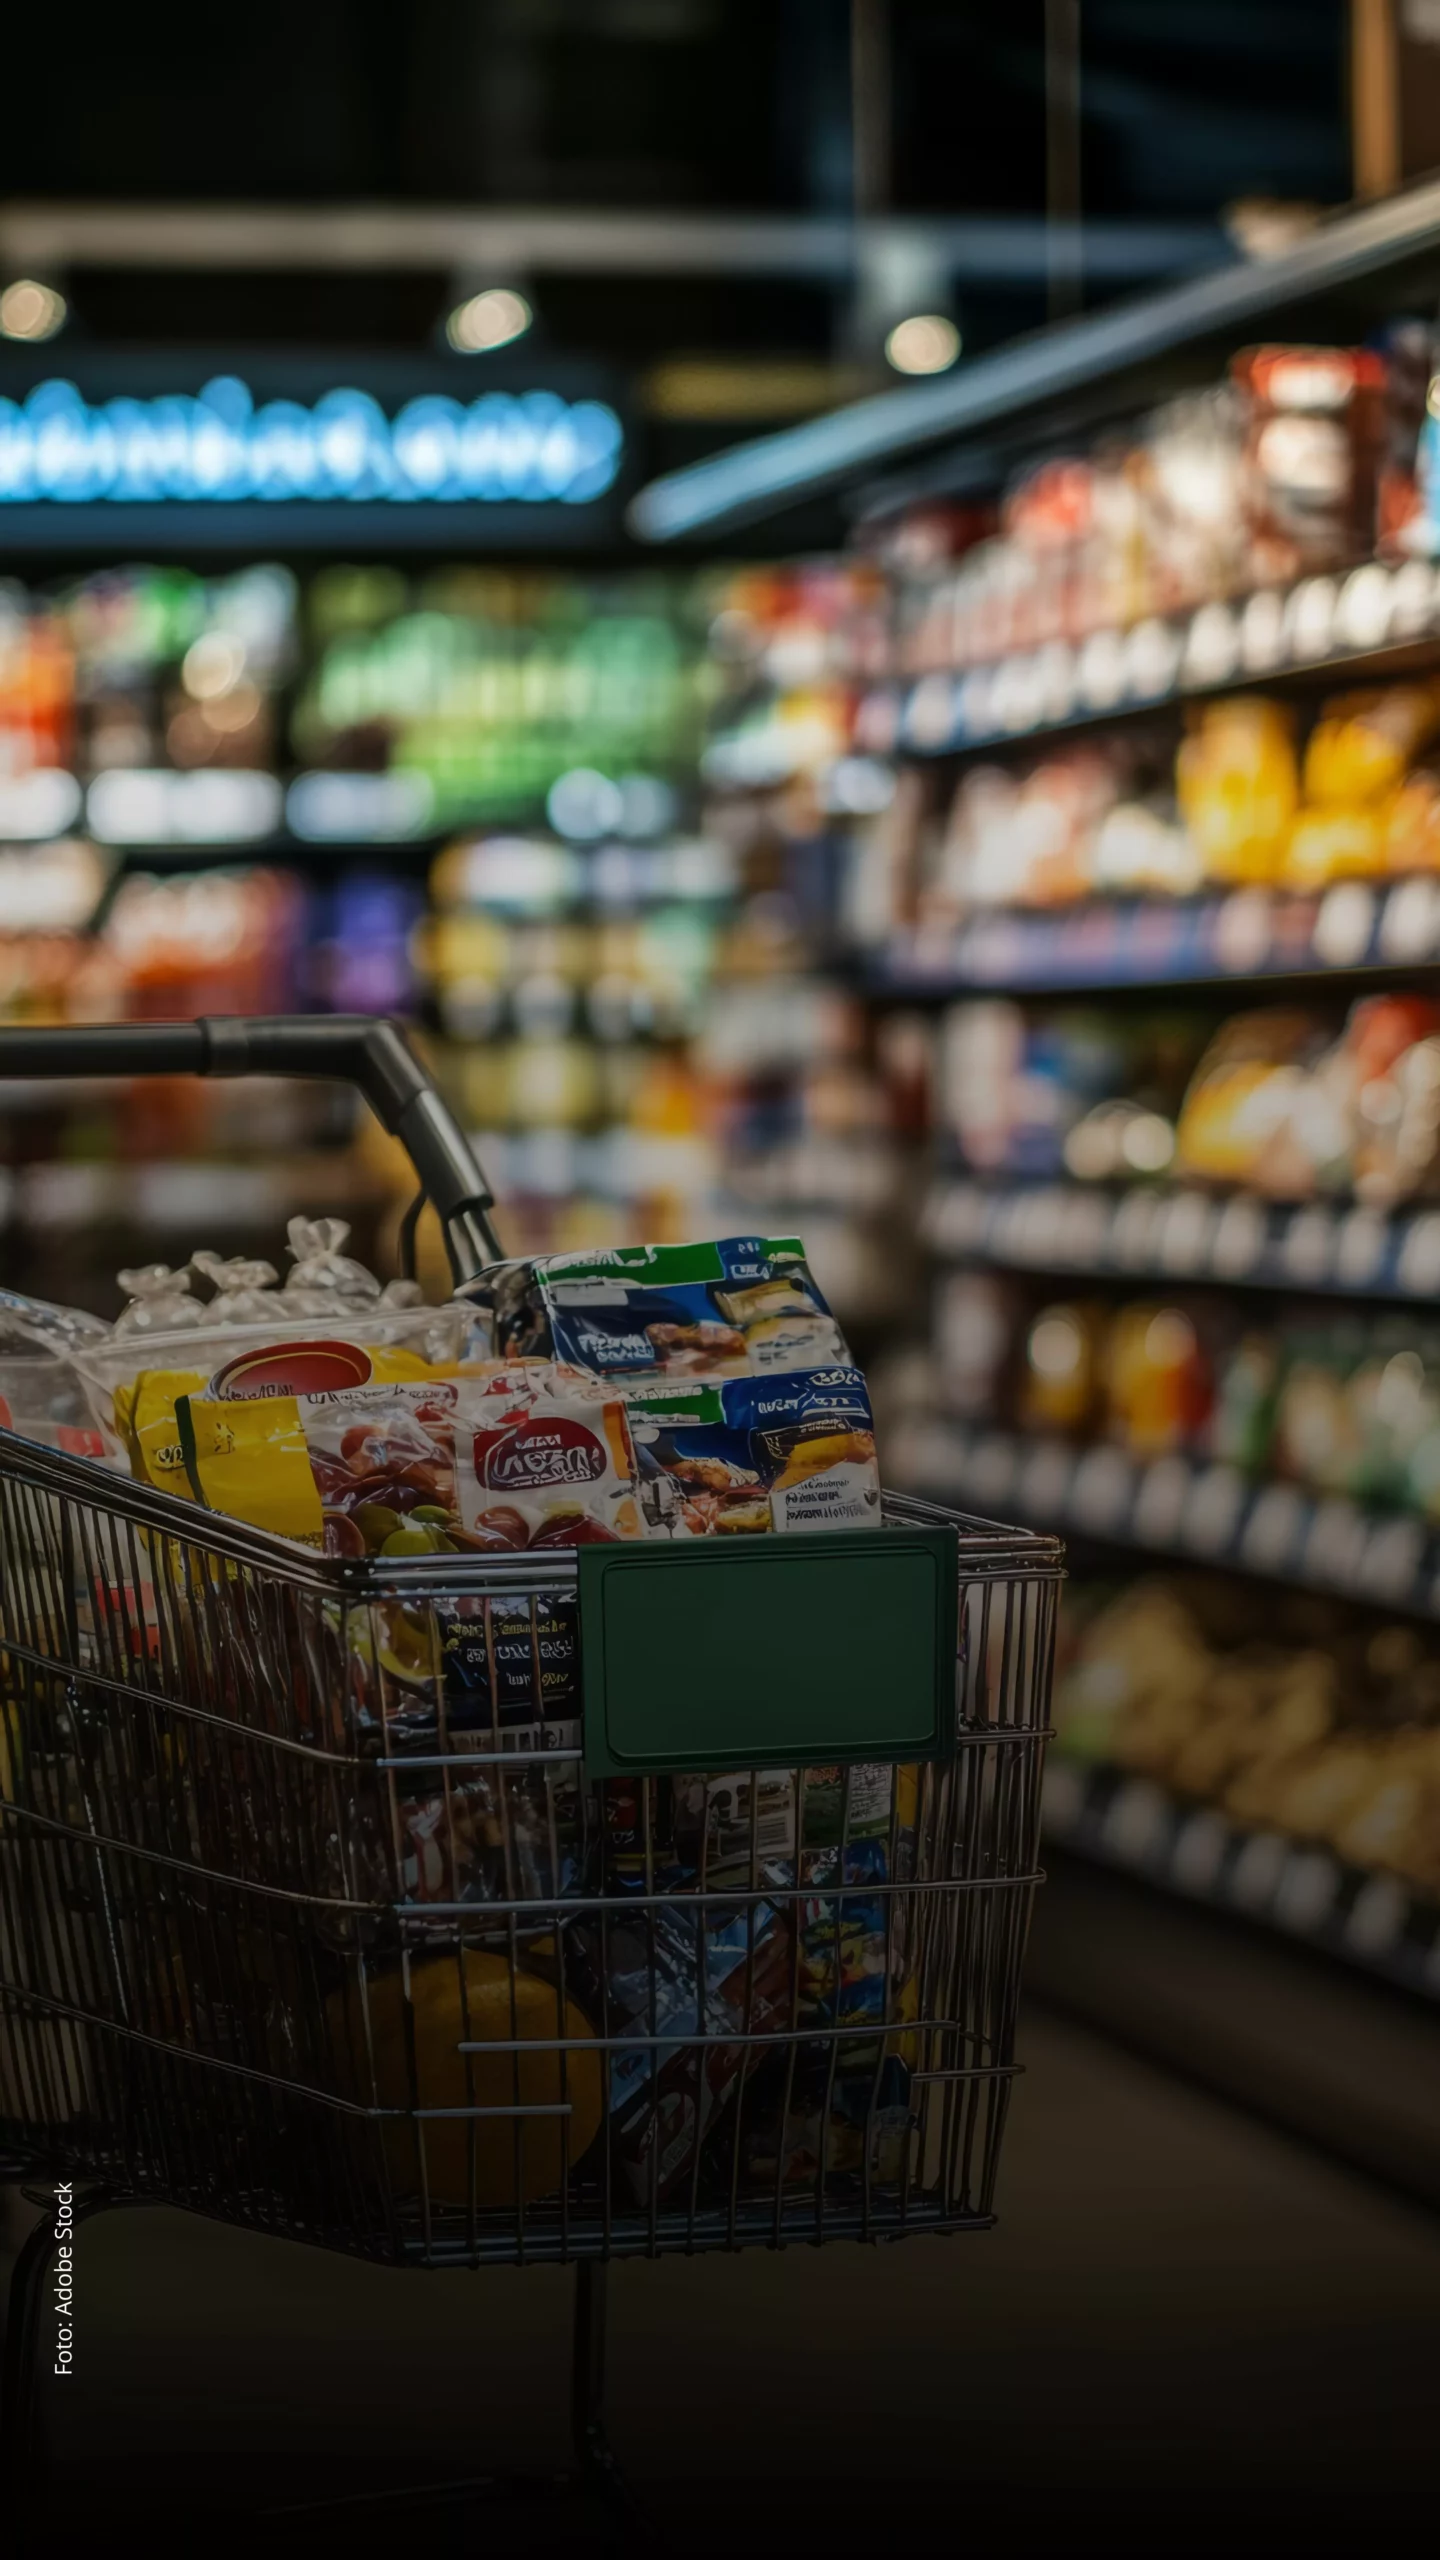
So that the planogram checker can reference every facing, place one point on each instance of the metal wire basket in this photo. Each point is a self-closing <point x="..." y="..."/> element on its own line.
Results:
<point x="338" y="1899"/>
<point x="311" y="1918"/>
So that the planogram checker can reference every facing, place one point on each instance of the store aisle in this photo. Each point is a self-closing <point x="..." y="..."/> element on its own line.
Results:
<point x="1187" y="2335"/>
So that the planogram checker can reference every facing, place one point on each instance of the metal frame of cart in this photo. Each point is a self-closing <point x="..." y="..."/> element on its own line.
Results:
<point x="696" y="1922"/>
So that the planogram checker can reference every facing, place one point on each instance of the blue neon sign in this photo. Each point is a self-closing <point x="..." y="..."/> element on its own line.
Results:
<point x="220" y="449"/>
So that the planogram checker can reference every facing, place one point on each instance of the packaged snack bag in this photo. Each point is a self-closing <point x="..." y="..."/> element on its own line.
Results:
<point x="550" y="1463"/>
<point x="753" y="1455"/>
<point x="716" y="1973"/>
<point x="322" y="1273"/>
<point x="522" y="1459"/>
<point x="132" y="1378"/>
<point x="244" y="1290"/>
<point x="159" y="1300"/>
<point x="355" y="1469"/>
<point x="745" y="1305"/>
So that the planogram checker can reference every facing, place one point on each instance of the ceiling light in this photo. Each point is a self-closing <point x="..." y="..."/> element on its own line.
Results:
<point x="925" y="344"/>
<point x="488" y="319"/>
<point x="31" y="311"/>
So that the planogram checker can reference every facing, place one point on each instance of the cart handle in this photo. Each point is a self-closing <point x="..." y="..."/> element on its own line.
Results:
<point x="367" y="1051"/>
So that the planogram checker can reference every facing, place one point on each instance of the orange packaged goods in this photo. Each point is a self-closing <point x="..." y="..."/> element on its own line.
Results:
<point x="1276" y="1104"/>
<point x="1235" y="1123"/>
<point x="1315" y="429"/>
<point x="1359" y="751"/>
<point x="1158" y="1381"/>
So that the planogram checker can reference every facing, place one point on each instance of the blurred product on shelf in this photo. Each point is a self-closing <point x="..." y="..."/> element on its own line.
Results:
<point x="790" y="649"/>
<point x="569" y="982"/>
<point x="1281" y="1106"/>
<point x="817" y="1108"/>
<point x="484" y="687"/>
<point x="1085" y="1092"/>
<point x="1335" y="1401"/>
<point x="1276" y="1101"/>
<point x="360" y="704"/>
<point x="1286" y="1712"/>
<point x="1246" y="799"/>
<point x="1305" y="460"/>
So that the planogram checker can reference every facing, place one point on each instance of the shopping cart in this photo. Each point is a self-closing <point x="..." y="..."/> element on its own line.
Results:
<point x="457" y="1911"/>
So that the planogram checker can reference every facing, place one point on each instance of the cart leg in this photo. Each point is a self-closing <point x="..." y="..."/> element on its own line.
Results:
<point x="595" y="2464"/>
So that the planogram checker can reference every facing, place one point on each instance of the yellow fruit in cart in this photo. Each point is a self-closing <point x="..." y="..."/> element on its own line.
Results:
<point x="472" y="1997"/>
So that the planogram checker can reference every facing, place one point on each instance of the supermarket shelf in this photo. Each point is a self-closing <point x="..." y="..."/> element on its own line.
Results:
<point x="1173" y="1506"/>
<point x="1376" y="621"/>
<point x="1244" y="938"/>
<point x="1173" y="1234"/>
<point x="1248" y="2005"/>
<point x="1298" y="1886"/>
<point x="1109" y="364"/>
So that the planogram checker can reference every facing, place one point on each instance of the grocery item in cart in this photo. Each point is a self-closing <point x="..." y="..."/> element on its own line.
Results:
<point x="716" y="1978"/>
<point x="244" y="1289"/>
<point x="500" y="2126"/>
<point x="42" y="1395"/>
<point x="526" y="1458"/>
<point x="730" y="1309"/>
<point x="752" y="1455"/>
<point x="133" y="1379"/>
<point x="158" y="1300"/>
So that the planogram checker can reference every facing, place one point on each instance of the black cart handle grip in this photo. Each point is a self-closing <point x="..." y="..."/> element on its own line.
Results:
<point x="352" y="1048"/>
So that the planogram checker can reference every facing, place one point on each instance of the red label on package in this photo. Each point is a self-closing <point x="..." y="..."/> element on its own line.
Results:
<point x="543" y="1449"/>
<point x="293" y="1369"/>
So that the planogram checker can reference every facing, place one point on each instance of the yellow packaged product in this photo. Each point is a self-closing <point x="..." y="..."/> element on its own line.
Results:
<point x="528" y="1457"/>
<point x="1338" y="842"/>
<point x="1237" y="1121"/>
<point x="133" y="1380"/>
<point x="1363" y="744"/>
<point x="1238" y="787"/>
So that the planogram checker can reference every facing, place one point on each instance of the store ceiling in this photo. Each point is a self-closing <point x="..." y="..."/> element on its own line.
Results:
<point x="685" y="187"/>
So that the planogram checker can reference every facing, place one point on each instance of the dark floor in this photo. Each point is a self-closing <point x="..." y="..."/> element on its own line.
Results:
<point x="1186" y="2335"/>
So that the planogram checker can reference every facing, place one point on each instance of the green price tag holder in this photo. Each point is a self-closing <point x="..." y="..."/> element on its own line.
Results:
<point x="768" y="1652"/>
